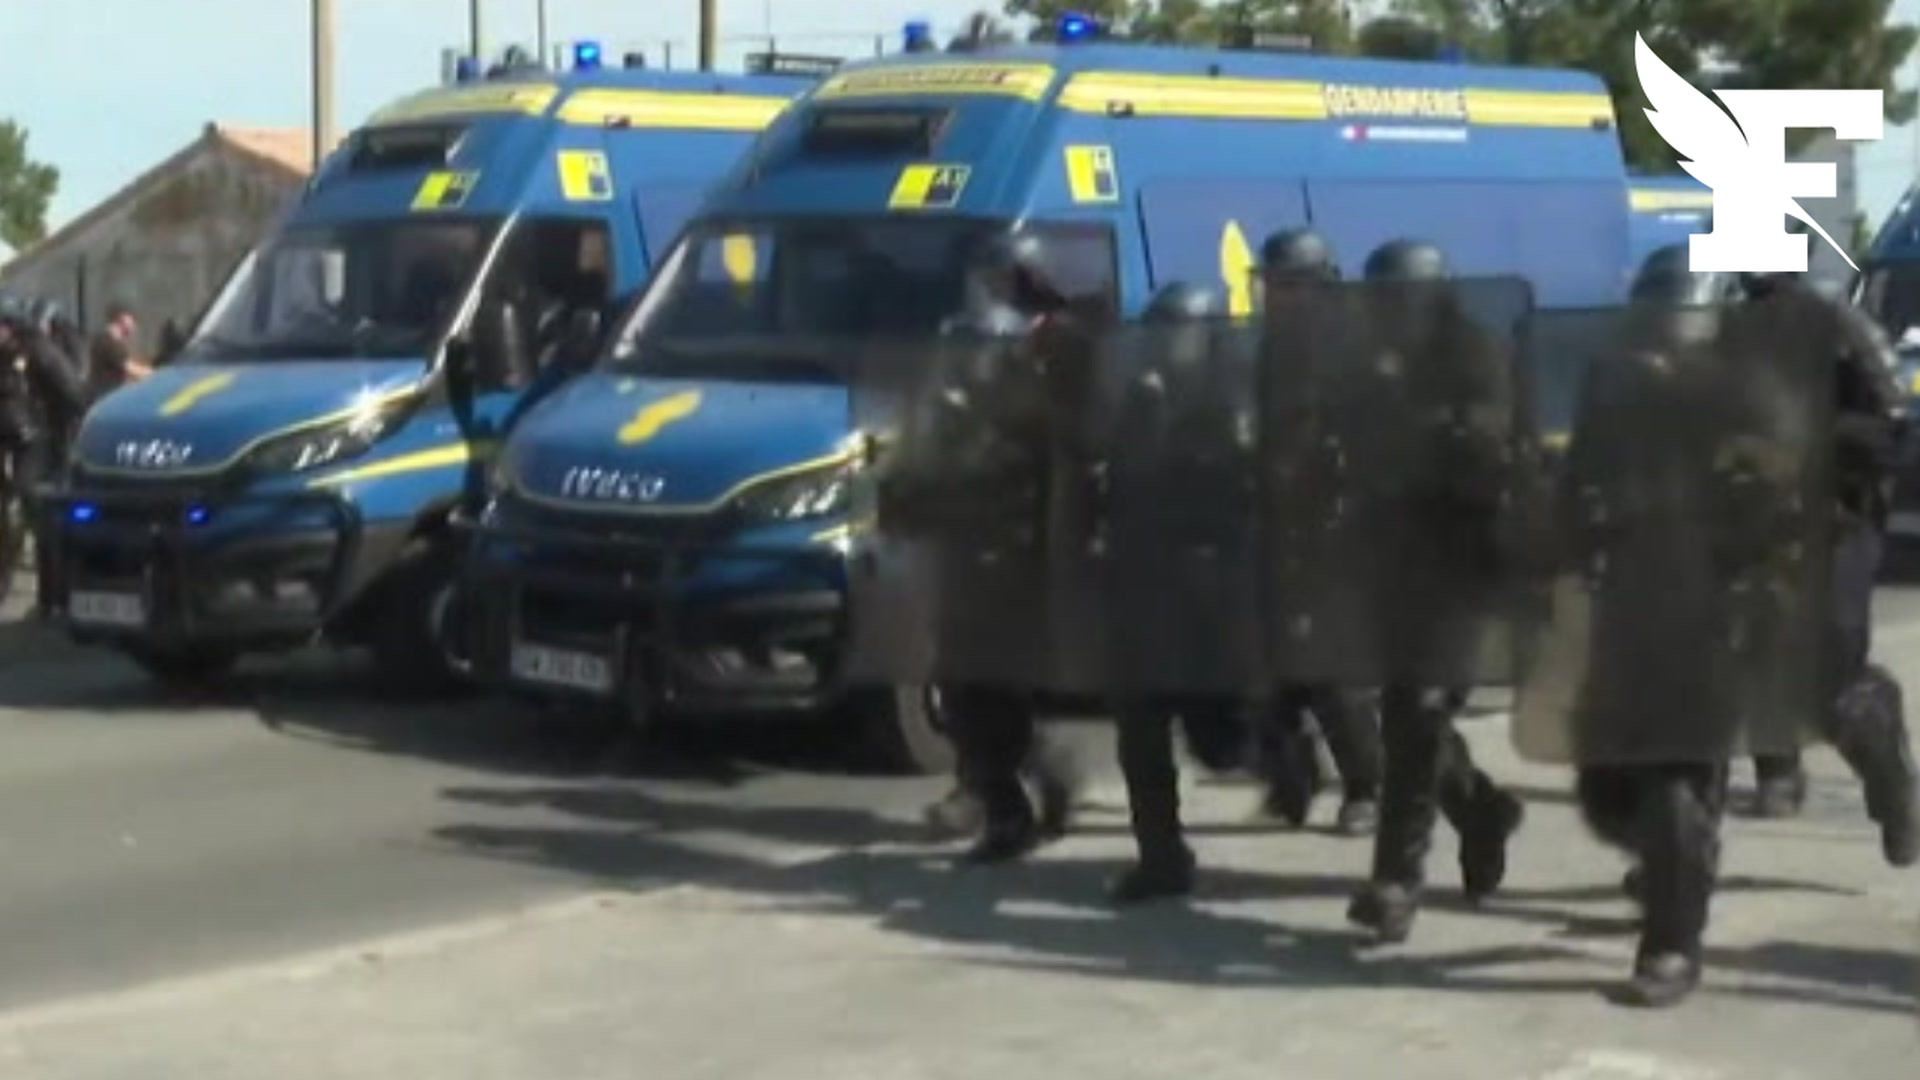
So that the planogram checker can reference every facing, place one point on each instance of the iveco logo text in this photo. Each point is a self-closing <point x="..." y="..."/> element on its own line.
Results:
<point x="152" y="454"/>
<point x="611" y="485"/>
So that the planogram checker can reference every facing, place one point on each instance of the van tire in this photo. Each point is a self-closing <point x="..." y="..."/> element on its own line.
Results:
<point x="192" y="667"/>
<point x="900" y="731"/>
<point x="409" y="660"/>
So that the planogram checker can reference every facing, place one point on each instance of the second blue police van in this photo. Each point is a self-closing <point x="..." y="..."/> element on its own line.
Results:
<point x="671" y="530"/>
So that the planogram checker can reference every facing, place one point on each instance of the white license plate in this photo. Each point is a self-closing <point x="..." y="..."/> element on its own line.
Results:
<point x="562" y="667"/>
<point x="108" y="609"/>
<point x="1905" y="523"/>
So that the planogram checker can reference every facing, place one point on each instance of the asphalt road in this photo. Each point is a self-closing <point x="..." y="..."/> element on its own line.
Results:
<point x="146" y="839"/>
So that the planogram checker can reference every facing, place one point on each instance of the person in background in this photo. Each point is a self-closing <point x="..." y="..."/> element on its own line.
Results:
<point x="173" y="339"/>
<point x="111" y="363"/>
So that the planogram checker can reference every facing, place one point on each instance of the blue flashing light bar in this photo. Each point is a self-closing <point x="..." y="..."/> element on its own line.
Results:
<point x="586" y="56"/>
<point x="198" y="515"/>
<point x="918" y="36"/>
<point x="466" y="69"/>
<point x="1075" y="26"/>
<point x="82" y="512"/>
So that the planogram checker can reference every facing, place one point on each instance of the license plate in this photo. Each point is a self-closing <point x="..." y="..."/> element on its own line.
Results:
<point x="1906" y="523"/>
<point x="108" y="609"/>
<point x="562" y="667"/>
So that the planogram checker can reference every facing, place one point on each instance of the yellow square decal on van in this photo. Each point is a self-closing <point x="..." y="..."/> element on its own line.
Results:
<point x="929" y="187"/>
<point x="585" y="176"/>
<point x="1091" y="175"/>
<point x="445" y="190"/>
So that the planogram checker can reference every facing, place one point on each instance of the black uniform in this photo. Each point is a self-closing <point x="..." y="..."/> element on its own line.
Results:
<point x="1866" y="724"/>
<point x="1429" y="771"/>
<point x="992" y="727"/>
<point x="1664" y="813"/>
<point x="1348" y="719"/>
<point x="41" y="401"/>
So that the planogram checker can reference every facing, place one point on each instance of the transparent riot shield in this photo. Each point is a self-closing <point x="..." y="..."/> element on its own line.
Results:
<point x="959" y="501"/>
<point x="1179" y="567"/>
<point x="1689" y="585"/>
<point x="1396" y="428"/>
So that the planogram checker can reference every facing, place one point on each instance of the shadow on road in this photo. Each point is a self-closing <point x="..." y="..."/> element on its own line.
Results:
<point x="626" y="837"/>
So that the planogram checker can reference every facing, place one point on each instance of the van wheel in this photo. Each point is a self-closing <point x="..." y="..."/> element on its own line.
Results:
<point x="184" y="668"/>
<point x="900" y="731"/>
<point x="409" y="651"/>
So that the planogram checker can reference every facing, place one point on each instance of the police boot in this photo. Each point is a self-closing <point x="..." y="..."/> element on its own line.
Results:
<point x="1291" y="769"/>
<point x="1409" y="806"/>
<point x="1484" y="816"/>
<point x="1870" y="732"/>
<point x="1010" y="830"/>
<point x="1680" y="856"/>
<point x="1161" y="874"/>
<point x="1165" y="867"/>
<point x="1352" y="727"/>
<point x="1780" y="786"/>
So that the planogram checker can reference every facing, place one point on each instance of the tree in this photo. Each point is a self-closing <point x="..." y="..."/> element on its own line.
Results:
<point x="26" y="187"/>
<point x="1716" y="44"/>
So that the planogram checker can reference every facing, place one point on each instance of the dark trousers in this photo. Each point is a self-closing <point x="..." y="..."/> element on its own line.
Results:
<point x="1871" y="737"/>
<point x="1429" y="773"/>
<point x="993" y="734"/>
<point x="1349" y="721"/>
<point x="1152" y="773"/>
<point x="1668" y="817"/>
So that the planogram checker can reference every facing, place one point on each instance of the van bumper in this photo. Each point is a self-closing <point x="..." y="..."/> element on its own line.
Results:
<point x="558" y="611"/>
<point x="176" y="566"/>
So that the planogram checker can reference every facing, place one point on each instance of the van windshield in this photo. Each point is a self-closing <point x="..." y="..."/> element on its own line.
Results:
<point x="374" y="289"/>
<point x="739" y="294"/>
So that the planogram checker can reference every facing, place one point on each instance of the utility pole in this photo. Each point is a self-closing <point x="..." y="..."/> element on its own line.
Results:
<point x="540" y="14"/>
<point x="709" y="33"/>
<point x="322" y="80"/>
<point x="473" y="30"/>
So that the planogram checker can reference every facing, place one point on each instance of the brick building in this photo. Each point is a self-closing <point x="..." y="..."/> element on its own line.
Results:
<point x="166" y="241"/>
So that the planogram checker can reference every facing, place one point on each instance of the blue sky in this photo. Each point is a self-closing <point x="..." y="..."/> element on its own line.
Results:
<point x="109" y="87"/>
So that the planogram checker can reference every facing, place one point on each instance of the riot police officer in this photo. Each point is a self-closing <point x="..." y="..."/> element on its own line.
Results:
<point x="996" y="740"/>
<point x="1347" y="718"/>
<point x="41" y="402"/>
<point x="1865" y="725"/>
<point x="1184" y="442"/>
<point x="1429" y="771"/>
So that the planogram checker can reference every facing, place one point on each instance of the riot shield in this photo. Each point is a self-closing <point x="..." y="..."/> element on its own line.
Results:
<point x="1396" y="423"/>
<point x="1179" y="610"/>
<point x="1692" y="546"/>
<point x="959" y="497"/>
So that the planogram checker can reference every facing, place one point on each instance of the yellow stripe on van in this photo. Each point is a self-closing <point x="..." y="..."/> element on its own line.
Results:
<point x="521" y="99"/>
<point x="1194" y="96"/>
<point x="1653" y="200"/>
<point x="659" y="109"/>
<point x="191" y="394"/>
<point x="434" y="457"/>
<point x="1514" y="108"/>
<point x="1199" y="97"/>
<point x="1029" y="81"/>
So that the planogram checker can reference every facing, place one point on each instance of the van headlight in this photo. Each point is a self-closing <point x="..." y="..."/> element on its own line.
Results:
<point x="802" y="496"/>
<point x="328" y="444"/>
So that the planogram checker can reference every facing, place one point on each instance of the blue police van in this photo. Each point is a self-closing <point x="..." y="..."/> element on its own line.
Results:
<point x="290" y="476"/>
<point x="1889" y="290"/>
<point x="671" y="530"/>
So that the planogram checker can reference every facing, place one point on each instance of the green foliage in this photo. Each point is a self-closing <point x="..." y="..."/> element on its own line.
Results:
<point x="26" y="187"/>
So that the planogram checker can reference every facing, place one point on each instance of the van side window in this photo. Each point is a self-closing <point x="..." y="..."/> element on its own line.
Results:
<point x="1084" y="264"/>
<point x="552" y="269"/>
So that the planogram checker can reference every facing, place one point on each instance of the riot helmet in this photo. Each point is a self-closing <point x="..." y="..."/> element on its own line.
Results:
<point x="1183" y="302"/>
<point x="1406" y="261"/>
<point x="1007" y="285"/>
<point x="1676" y="303"/>
<point x="1298" y="254"/>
